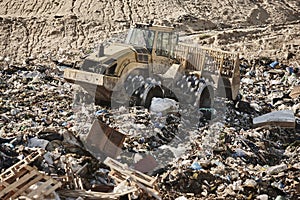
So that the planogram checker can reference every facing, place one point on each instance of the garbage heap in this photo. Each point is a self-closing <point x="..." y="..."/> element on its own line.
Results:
<point x="246" y="149"/>
<point x="253" y="153"/>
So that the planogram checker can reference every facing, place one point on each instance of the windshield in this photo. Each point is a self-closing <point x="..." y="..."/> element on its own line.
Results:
<point x="140" y="37"/>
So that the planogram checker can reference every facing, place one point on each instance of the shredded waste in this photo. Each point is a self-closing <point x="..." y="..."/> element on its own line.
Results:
<point x="245" y="149"/>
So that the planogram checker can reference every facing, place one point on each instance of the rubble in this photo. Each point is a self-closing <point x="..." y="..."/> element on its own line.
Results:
<point x="182" y="153"/>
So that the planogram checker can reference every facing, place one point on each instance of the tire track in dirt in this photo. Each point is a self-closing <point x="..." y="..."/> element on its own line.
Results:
<point x="73" y="34"/>
<point x="108" y="13"/>
<point x="39" y="9"/>
<point x="89" y="6"/>
<point x="25" y="43"/>
<point x="6" y="8"/>
<point x="80" y="35"/>
<point x="6" y="32"/>
<point x="112" y="13"/>
<point x="21" y="8"/>
<point x="96" y="11"/>
<point x="12" y="4"/>
<point x="40" y="35"/>
<point x="34" y="7"/>
<point x="47" y="6"/>
<point x="32" y="33"/>
<point x="181" y="5"/>
<point x="137" y="8"/>
<point x="34" y="26"/>
<point x="118" y="14"/>
<point x="77" y="8"/>
<point x="58" y="6"/>
<point x="123" y="9"/>
<point x="129" y="9"/>
<point x="72" y="6"/>
<point x="16" y="38"/>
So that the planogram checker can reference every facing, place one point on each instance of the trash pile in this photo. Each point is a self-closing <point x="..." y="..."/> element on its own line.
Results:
<point x="253" y="153"/>
<point x="246" y="149"/>
<point x="42" y="154"/>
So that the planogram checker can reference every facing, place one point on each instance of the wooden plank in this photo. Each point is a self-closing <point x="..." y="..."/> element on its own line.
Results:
<point x="20" y="177"/>
<point x="3" y="184"/>
<point x="134" y="174"/>
<point x="14" y="186"/>
<point x="126" y="192"/>
<point x="87" y="194"/>
<point x="25" y="187"/>
<point x="37" y="193"/>
<point x="16" y="167"/>
<point x="94" y="195"/>
<point x="53" y="188"/>
<point x="150" y="191"/>
<point x="144" y="178"/>
<point x="12" y="177"/>
<point x="119" y="177"/>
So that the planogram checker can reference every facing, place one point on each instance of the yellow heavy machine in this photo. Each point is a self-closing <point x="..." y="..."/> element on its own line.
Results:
<point x="152" y="63"/>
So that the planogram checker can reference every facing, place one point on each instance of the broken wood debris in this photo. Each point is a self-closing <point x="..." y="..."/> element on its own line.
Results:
<point x="94" y="195"/>
<point x="72" y="177"/>
<point x="19" y="179"/>
<point x="121" y="172"/>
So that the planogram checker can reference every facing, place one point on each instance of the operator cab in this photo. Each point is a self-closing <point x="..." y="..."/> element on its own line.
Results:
<point x="141" y="38"/>
<point x="159" y="40"/>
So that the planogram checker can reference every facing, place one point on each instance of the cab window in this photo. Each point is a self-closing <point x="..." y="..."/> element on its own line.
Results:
<point x="163" y="46"/>
<point x="141" y="38"/>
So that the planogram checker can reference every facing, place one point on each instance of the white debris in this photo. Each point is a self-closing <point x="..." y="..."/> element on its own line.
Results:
<point x="159" y="105"/>
<point x="276" y="169"/>
<point x="181" y="198"/>
<point x="263" y="197"/>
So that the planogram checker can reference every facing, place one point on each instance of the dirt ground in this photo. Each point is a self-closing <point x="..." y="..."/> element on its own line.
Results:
<point x="53" y="30"/>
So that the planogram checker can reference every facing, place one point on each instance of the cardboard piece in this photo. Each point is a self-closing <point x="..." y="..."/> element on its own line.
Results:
<point x="283" y="118"/>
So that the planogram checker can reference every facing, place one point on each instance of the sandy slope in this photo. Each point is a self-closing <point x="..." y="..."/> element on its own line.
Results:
<point x="56" y="29"/>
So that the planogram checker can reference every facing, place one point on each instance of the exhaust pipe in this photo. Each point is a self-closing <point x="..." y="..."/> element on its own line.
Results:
<point x="101" y="50"/>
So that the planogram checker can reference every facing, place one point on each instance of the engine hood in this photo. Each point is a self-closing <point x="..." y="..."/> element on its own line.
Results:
<point x="116" y="50"/>
<point x="111" y="55"/>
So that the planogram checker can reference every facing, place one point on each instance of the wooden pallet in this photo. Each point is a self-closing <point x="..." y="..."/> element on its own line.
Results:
<point x="121" y="172"/>
<point x="19" y="165"/>
<point x="16" y="180"/>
